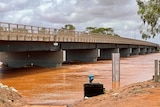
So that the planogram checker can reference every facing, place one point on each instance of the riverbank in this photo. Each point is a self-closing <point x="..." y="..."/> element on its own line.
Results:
<point x="142" y="94"/>
<point x="9" y="97"/>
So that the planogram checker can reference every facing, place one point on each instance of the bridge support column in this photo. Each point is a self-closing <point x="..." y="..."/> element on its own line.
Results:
<point x="125" y="52"/>
<point x="36" y="58"/>
<point x="149" y="50"/>
<point x="82" y="55"/>
<point x="107" y="53"/>
<point x="135" y="51"/>
<point x="153" y="50"/>
<point x="142" y="51"/>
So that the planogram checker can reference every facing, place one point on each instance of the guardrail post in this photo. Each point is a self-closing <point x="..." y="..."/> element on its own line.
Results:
<point x="157" y="71"/>
<point x="9" y="27"/>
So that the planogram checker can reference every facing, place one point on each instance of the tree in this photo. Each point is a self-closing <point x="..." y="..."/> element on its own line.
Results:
<point x="149" y="12"/>
<point x="69" y="27"/>
<point x="90" y="29"/>
<point x="107" y="31"/>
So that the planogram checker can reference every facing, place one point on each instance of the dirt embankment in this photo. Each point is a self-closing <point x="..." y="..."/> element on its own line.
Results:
<point x="143" y="94"/>
<point x="9" y="97"/>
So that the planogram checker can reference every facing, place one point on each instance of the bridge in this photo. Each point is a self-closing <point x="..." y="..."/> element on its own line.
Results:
<point x="22" y="45"/>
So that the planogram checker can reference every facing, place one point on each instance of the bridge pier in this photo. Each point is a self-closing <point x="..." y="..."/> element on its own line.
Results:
<point x="135" y="51"/>
<point x="149" y="50"/>
<point x="107" y="53"/>
<point x="142" y="51"/>
<point x="35" y="58"/>
<point x="125" y="52"/>
<point x="82" y="55"/>
<point x="153" y="50"/>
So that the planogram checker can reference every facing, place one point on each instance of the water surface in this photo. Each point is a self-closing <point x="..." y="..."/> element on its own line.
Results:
<point x="64" y="85"/>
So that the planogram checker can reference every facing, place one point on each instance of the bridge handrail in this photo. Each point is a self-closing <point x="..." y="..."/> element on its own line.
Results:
<point x="9" y="27"/>
<point x="27" y="29"/>
<point x="36" y="33"/>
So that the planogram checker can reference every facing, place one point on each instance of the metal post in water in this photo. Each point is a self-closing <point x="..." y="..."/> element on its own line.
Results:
<point x="157" y="71"/>
<point x="115" y="70"/>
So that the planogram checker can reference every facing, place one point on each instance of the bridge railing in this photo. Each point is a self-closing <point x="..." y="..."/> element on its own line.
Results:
<point x="26" y="31"/>
<point x="18" y="28"/>
<point x="20" y="32"/>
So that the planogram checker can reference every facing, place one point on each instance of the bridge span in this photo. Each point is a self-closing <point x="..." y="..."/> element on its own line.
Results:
<point x="22" y="45"/>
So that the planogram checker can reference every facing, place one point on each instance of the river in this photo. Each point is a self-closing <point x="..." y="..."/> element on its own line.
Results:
<point x="64" y="85"/>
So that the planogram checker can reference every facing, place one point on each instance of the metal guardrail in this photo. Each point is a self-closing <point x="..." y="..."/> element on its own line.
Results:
<point x="18" y="28"/>
<point x="18" y="32"/>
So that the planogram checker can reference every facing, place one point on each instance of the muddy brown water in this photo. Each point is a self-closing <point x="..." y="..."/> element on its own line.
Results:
<point x="64" y="85"/>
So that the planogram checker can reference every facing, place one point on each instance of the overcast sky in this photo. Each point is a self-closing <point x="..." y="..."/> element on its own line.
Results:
<point x="118" y="14"/>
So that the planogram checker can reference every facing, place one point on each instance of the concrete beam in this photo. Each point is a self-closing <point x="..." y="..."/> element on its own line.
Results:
<point x="107" y="53"/>
<point x="133" y="46"/>
<point x="122" y="46"/>
<point x="70" y="46"/>
<point x="14" y="46"/>
<point x="104" y="46"/>
<point x="83" y="55"/>
<point x="37" y="58"/>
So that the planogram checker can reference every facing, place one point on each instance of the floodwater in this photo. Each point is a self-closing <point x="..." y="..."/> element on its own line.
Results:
<point x="64" y="85"/>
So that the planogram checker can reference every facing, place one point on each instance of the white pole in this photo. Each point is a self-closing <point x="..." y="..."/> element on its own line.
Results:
<point x="157" y="68"/>
<point x="115" y="70"/>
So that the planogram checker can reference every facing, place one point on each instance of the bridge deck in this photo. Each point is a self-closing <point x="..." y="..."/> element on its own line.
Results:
<point x="17" y="32"/>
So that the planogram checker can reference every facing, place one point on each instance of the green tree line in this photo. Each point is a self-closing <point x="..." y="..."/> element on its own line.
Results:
<point x="101" y="30"/>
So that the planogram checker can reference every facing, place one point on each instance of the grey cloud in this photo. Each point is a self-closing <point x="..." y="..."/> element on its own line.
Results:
<point x="14" y="5"/>
<point x="112" y="10"/>
<point x="114" y="2"/>
<point x="3" y="7"/>
<point x="83" y="11"/>
<point x="63" y="13"/>
<point x="72" y="11"/>
<point x="119" y="14"/>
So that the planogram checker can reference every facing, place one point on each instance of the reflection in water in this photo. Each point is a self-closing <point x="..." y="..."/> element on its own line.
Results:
<point x="64" y="85"/>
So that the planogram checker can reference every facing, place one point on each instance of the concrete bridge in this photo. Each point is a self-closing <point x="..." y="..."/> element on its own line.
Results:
<point x="22" y="45"/>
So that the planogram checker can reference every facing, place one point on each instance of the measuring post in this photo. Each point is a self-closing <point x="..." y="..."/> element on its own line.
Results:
<point x="157" y="71"/>
<point x="115" y="70"/>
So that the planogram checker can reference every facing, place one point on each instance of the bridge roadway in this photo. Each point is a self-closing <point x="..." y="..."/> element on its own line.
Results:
<point x="22" y="45"/>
